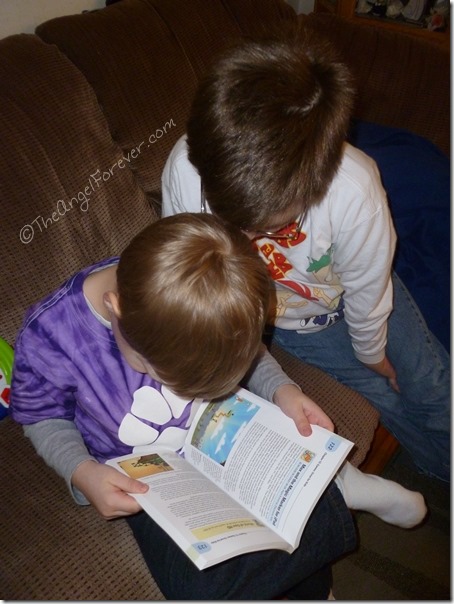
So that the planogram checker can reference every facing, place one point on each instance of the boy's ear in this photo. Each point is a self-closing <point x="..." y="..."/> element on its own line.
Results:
<point x="110" y="300"/>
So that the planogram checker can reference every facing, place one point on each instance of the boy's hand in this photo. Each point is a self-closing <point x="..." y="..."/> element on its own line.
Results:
<point x="107" y="489"/>
<point x="301" y="409"/>
<point x="385" y="369"/>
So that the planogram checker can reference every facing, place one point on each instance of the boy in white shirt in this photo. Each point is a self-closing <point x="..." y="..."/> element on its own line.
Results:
<point x="266" y="151"/>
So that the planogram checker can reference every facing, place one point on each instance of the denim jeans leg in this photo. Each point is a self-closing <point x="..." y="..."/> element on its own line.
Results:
<point x="266" y="575"/>
<point x="424" y="376"/>
<point x="418" y="416"/>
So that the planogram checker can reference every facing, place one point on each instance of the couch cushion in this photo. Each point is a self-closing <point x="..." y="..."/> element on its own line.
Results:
<point x="342" y="404"/>
<point x="66" y="202"/>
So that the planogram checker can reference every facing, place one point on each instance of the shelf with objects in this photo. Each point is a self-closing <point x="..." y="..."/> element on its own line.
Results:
<point x="422" y="18"/>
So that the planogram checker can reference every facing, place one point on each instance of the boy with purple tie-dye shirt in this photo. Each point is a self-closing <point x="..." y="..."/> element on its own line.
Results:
<point x="120" y="356"/>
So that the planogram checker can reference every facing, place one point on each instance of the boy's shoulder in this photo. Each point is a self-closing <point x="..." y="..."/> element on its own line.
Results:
<point x="356" y="192"/>
<point x="178" y="156"/>
<point x="51" y="307"/>
<point x="355" y="161"/>
<point x="357" y="172"/>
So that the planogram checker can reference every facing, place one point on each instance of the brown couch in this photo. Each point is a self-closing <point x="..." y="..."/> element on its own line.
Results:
<point x="90" y="107"/>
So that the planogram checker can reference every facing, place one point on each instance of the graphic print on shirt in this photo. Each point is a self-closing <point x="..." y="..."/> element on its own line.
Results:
<point x="149" y="406"/>
<point x="323" y="271"/>
<point x="279" y="267"/>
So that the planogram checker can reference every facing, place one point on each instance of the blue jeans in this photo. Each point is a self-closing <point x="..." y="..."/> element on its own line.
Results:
<point x="418" y="416"/>
<point x="266" y="575"/>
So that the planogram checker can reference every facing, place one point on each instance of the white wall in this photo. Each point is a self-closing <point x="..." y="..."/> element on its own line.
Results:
<point x="22" y="16"/>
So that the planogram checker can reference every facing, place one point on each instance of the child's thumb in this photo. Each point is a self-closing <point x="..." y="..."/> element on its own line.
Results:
<point x="130" y="485"/>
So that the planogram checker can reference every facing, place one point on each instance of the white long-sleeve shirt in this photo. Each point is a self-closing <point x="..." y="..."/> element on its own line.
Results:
<point x="340" y="265"/>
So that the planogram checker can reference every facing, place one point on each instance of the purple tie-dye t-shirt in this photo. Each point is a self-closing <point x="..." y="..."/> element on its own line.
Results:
<point x="67" y="366"/>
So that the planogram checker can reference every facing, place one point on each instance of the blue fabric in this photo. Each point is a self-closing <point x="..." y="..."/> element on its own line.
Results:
<point x="418" y="416"/>
<point x="416" y="176"/>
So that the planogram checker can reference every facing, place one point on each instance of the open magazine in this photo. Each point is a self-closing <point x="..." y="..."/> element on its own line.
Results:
<point x="245" y="481"/>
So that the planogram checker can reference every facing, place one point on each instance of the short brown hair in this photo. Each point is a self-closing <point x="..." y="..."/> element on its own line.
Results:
<point x="193" y="298"/>
<point x="267" y="126"/>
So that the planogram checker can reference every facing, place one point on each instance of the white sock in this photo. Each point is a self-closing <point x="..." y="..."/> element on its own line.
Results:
<point x="384" y="498"/>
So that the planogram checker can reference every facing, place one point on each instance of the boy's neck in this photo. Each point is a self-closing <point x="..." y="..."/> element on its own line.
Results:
<point x="96" y="284"/>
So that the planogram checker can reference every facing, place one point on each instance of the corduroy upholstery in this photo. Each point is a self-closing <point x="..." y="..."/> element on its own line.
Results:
<point x="76" y="100"/>
<point x="402" y="81"/>
<point x="55" y="143"/>
<point x="145" y="74"/>
<point x="54" y="550"/>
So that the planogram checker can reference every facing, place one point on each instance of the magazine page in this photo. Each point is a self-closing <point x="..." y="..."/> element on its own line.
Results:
<point x="256" y="454"/>
<point x="208" y="525"/>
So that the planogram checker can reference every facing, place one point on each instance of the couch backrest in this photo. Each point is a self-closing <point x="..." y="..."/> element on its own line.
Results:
<point x="144" y="59"/>
<point x="402" y="81"/>
<point x="90" y="108"/>
<point x="66" y="201"/>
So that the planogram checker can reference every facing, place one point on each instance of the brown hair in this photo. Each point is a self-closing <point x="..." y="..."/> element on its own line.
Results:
<point x="267" y="126"/>
<point x="193" y="299"/>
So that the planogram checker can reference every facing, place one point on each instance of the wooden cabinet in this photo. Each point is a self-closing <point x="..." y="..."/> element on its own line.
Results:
<point x="347" y="9"/>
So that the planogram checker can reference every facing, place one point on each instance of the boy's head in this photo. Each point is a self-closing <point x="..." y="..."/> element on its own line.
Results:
<point x="267" y="126"/>
<point x="193" y="298"/>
